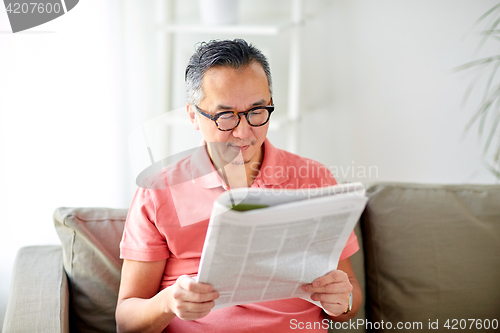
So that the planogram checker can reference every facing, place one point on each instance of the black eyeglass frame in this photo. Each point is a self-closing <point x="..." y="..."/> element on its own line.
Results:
<point x="214" y="117"/>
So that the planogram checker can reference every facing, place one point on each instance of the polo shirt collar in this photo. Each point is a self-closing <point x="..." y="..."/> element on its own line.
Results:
<point x="273" y="170"/>
<point x="203" y="172"/>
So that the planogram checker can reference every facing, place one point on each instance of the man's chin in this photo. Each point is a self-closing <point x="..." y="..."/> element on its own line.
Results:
<point x="239" y="159"/>
<point x="240" y="162"/>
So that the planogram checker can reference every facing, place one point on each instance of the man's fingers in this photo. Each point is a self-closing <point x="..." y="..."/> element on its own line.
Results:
<point x="182" y="295"/>
<point x="191" y="291"/>
<point x="190" y="311"/>
<point x="332" y="288"/>
<point x="188" y="283"/>
<point x="189" y="299"/>
<point x="195" y="308"/>
<point x="331" y="277"/>
<point x="333" y="304"/>
<point x="331" y="298"/>
<point x="332" y="282"/>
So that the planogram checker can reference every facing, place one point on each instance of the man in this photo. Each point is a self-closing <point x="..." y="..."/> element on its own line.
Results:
<point x="230" y="102"/>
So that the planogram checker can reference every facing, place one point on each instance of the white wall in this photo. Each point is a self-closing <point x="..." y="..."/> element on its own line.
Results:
<point x="392" y="98"/>
<point x="62" y="124"/>
<point x="380" y="100"/>
<point x="378" y="91"/>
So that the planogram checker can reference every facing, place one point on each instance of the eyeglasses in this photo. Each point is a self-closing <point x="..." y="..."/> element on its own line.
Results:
<point x="228" y="120"/>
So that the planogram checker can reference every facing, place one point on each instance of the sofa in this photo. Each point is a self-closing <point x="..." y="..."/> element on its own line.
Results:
<point x="429" y="261"/>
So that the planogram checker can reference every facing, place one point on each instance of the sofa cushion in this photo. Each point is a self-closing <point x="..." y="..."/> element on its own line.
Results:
<point x="431" y="253"/>
<point x="90" y="240"/>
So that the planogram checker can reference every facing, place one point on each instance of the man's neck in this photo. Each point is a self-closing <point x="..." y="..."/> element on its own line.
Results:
<point x="237" y="175"/>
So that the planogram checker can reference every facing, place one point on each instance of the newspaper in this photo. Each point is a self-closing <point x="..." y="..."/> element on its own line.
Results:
<point x="294" y="237"/>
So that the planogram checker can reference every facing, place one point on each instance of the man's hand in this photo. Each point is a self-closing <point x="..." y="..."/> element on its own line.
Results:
<point x="332" y="290"/>
<point x="190" y="300"/>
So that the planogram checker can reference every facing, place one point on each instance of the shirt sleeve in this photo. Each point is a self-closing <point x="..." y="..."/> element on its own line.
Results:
<point x="141" y="240"/>
<point x="350" y="247"/>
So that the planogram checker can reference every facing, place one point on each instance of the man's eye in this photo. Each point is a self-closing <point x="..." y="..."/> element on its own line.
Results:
<point x="258" y="111"/>
<point x="227" y="116"/>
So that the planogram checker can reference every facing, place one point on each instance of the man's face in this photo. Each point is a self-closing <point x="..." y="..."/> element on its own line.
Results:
<point x="226" y="88"/>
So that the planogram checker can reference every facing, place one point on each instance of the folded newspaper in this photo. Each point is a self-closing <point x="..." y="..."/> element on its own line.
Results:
<point x="263" y="244"/>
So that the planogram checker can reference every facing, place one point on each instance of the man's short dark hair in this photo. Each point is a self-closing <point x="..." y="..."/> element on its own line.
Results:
<point x="232" y="53"/>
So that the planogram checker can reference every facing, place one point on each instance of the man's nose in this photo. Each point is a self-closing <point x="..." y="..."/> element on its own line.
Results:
<point x="243" y="130"/>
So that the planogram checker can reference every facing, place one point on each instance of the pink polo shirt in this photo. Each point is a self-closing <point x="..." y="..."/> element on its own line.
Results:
<point x="170" y="222"/>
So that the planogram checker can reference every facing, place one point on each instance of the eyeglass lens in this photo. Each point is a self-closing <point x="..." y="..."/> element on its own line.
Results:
<point x="230" y="120"/>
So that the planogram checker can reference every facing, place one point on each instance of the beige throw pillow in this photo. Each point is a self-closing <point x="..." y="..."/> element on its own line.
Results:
<point x="90" y="240"/>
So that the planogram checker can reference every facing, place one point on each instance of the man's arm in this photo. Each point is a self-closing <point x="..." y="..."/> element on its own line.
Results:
<point x="141" y="308"/>
<point x="333" y="291"/>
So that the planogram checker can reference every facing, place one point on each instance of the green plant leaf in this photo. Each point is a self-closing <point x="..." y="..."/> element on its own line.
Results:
<point x="490" y="79"/>
<point x="493" y="170"/>
<point x="492" y="27"/>
<point x="486" y="14"/>
<point x="487" y="112"/>
<point x="483" y="107"/>
<point x="483" y="61"/>
<point x="493" y="130"/>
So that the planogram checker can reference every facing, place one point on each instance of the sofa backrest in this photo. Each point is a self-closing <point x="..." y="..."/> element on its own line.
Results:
<point x="432" y="255"/>
<point x="90" y="240"/>
<point x="428" y="253"/>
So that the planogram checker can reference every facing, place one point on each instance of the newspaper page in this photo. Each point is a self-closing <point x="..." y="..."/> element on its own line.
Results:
<point x="268" y="253"/>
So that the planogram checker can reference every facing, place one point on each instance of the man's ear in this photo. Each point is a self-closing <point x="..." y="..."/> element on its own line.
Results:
<point x="192" y="116"/>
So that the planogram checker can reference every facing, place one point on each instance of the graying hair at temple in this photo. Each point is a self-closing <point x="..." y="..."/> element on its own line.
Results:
<point x="232" y="53"/>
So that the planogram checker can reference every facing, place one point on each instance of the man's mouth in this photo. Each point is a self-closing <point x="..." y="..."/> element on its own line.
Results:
<point x="242" y="148"/>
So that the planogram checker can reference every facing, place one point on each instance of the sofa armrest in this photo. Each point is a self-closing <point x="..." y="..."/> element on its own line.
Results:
<point x="39" y="296"/>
